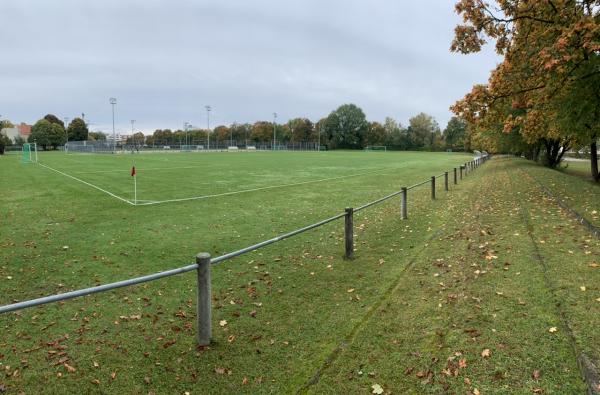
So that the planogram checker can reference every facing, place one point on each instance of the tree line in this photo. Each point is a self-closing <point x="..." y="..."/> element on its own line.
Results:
<point x="543" y="99"/>
<point x="346" y="127"/>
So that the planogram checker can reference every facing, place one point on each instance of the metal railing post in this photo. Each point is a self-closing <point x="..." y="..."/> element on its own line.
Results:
<point x="433" y="187"/>
<point x="403" y="204"/>
<point x="349" y="233"/>
<point x="446" y="181"/>
<point x="461" y="172"/>
<point x="203" y="307"/>
<point x="455" y="179"/>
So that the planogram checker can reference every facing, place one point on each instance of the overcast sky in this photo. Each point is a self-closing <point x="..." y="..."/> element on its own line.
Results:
<point x="165" y="60"/>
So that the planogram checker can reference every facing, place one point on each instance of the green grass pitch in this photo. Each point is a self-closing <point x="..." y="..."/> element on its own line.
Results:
<point x="286" y="306"/>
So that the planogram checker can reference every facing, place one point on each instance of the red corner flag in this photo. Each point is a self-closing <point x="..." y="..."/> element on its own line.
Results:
<point x="133" y="171"/>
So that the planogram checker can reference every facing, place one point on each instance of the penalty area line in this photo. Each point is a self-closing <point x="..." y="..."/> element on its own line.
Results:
<point x="255" y="189"/>
<point x="88" y="184"/>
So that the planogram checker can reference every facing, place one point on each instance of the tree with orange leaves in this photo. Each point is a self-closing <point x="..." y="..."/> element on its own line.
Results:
<point x="546" y="88"/>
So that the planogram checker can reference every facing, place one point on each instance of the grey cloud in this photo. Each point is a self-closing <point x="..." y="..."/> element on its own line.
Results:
<point x="164" y="60"/>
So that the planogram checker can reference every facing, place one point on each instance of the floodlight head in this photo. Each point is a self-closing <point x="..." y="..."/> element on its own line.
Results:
<point x="112" y="100"/>
<point x="207" y="108"/>
<point x="274" y="115"/>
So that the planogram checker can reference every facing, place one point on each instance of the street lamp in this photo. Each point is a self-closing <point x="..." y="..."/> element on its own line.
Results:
<point x="132" y="134"/>
<point x="186" y="125"/>
<point x="208" y="109"/>
<point x="112" y="102"/>
<point x="274" y="124"/>
<point x="66" y="132"/>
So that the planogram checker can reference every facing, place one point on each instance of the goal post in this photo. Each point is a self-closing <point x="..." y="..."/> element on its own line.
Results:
<point x="376" y="148"/>
<point x="29" y="153"/>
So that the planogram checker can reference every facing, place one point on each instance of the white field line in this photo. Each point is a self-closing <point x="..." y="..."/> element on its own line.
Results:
<point x="140" y="169"/>
<point x="88" y="184"/>
<point x="255" y="189"/>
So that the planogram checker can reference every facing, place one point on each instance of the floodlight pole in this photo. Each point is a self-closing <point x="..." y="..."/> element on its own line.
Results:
<point x="274" y="125"/>
<point x="113" y="101"/>
<point x="66" y="133"/>
<point x="208" y="124"/>
<point x="185" y="129"/>
<point x="319" y="142"/>
<point x="132" y="133"/>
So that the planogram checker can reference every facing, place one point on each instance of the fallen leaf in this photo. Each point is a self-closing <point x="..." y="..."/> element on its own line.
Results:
<point x="553" y="329"/>
<point x="536" y="375"/>
<point x="582" y="288"/>
<point x="113" y="375"/>
<point x="476" y="391"/>
<point x="69" y="368"/>
<point x="462" y="363"/>
<point x="245" y="381"/>
<point x="486" y="353"/>
<point x="350" y="290"/>
<point x="377" y="389"/>
<point x="594" y="264"/>
<point x="223" y="322"/>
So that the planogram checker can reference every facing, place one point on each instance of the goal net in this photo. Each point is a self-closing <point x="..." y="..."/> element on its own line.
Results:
<point x="29" y="153"/>
<point x="375" y="148"/>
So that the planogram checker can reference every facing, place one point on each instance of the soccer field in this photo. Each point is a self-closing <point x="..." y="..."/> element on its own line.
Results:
<point x="168" y="178"/>
<point x="68" y="223"/>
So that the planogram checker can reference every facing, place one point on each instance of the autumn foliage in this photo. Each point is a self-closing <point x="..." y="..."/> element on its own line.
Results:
<point x="543" y="98"/>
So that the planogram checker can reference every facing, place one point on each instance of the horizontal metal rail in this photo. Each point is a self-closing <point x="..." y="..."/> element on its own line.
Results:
<point x="93" y="290"/>
<point x="188" y="268"/>
<point x="418" y="185"/>
<point x="273" y="240"/>
<point x="364" y="206"/>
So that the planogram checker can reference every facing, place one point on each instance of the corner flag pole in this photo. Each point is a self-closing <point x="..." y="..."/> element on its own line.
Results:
<point x="134" y="175"/>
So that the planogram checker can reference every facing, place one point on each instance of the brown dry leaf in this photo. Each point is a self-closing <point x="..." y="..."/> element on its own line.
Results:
<point x="486" y="353"/>
<point x="245" y="381"/>
<point x="69" y="368"/>
<point x="593" y="265"/>
<point x="96" y="381"/>
<point x="96" y="364"/>
<point x="536" y="375"/>
<point x="350" y="290"/>
<point x="220" y="370"/>
<point x="223" y="322"/>
<point x="553" y="329"/>
<point x="231" y="338"/>
<point x="113" y="375"/>
<point x="476" y="391"/>
<point x="147" y="380"/>
<point x="462" y="363"/>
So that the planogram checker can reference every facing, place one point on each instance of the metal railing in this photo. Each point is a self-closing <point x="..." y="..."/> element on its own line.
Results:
<point x="204" y="260"/>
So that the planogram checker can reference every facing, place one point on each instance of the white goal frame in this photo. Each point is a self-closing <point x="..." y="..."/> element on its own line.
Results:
<point x="376" y="148"/>
<point x="29" y="153"/>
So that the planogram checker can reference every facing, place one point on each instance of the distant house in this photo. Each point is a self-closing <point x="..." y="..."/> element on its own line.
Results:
<point x="23" y="130"/>
<point x="11" y="133"/>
